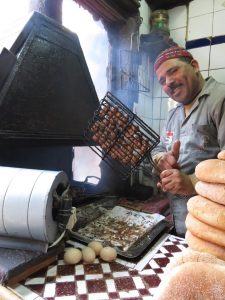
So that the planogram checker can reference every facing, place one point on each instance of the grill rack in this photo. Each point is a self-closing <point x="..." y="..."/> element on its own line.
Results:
<point x="120" y="137"/>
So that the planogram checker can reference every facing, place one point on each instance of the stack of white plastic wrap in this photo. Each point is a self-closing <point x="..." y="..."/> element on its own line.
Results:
<point x="26" y="205"/>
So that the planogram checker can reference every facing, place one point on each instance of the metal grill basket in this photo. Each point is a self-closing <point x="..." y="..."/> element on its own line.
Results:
<point x="120" y="137"/>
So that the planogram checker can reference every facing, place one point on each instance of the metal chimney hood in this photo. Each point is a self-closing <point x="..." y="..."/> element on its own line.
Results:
<point x="46" y="92"/>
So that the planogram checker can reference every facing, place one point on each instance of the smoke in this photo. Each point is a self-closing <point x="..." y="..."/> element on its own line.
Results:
<point x="93" y="39"/>
<point x="94" y="43"/>
<point x="13" y="16"/>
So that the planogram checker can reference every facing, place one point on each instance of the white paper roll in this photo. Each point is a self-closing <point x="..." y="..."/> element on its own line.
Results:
<point x="16" y="203"/>
<point x="6" y="175"/>
<point x="40" y="220"/>
<point x="26" y="203"/>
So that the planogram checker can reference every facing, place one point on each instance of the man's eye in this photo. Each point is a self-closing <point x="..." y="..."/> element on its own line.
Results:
<point x="173" y="70"/>
<point x="162" y="81"/>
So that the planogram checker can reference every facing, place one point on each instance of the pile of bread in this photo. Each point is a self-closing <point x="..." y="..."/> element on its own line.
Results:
<point x="199" y="272"/>
<point x="205" y="221"/>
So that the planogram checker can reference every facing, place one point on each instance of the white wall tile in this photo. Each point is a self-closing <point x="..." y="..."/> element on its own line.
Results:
<point x="217" y="57"/>
<point x="200" y="27"/>
<point x="144" y="11"/>
<point x="219" y="5"/>
<point x="156" y="126"/>
<point x="148" y="121"/>
<point x="140" y="108"/>
<point x="151" y="74"/>
<point x="219" y="23"/>
<point x="157" y="103"/>
<point x="157" y="90"/>
<point x="202" y="56"/>
<point x="148" y="107"/>
<point x="135" y="106"/>
<point x="200" y="7"/>
<point x="164" y="108"/>
<point x="218" y="74"/>
<point x="178" y="35"/>
<point x="164" y="94"/>
<point x="177" y="17"/>
<point x="145" y="14"/>
<point x="141" y="97"/>
<point x="144" y="77"/>
<point x="205" y="74"/>
<point x="161" y="124"/>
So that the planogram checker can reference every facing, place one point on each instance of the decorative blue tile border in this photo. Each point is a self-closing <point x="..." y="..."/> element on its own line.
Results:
<point x="203" y="42"/>
<point x="218" y="40"/>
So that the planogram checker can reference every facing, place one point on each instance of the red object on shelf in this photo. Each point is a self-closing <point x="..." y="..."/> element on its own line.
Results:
<point x="156" y="204"/>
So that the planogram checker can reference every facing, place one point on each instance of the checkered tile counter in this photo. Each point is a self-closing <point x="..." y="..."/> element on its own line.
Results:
<point x="101" y="280"/>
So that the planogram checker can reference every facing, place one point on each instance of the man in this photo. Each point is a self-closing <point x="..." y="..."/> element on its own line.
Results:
<point x="194" y="129"/>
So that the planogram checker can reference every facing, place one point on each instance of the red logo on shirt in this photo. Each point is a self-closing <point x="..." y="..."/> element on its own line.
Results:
<point x="169" y="137"/>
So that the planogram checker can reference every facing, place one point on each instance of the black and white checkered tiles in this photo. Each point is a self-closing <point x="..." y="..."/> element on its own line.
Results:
<point x="100" y="280"/>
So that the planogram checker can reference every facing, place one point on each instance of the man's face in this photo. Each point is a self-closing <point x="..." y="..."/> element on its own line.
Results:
<point x="179" y="79"/>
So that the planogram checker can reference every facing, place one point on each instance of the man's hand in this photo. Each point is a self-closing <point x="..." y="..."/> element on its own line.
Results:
<point x="176" y="182"/>
<point x="169" y="159"/>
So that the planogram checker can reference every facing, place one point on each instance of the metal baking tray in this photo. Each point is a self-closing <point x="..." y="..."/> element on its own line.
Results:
<point x="120" y="137"/>
<point x="151" y="230"/>
<point x="137" y="248"/>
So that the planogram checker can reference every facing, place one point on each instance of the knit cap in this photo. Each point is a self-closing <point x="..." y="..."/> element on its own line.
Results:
<point x="172" y="52"/>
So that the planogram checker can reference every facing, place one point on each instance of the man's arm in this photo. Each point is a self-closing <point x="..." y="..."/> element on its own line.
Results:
<point x="167" y="160"/>
<point x="176" y="182"/>
<point x="172" y="179"/>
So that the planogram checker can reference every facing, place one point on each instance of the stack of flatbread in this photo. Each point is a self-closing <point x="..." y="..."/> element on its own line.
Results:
<point x="205" y="221"/>
<point x="193" y="275"/>
<point x="198" y="273"/>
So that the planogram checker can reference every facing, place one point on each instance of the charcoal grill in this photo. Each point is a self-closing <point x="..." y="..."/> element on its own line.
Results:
<point x="120" y="137"/>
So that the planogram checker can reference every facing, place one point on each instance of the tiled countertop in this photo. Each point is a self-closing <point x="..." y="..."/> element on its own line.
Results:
<point x="101" y="280"/>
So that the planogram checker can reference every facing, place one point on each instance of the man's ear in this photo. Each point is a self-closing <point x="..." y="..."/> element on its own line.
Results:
<point x="194" y="63"/>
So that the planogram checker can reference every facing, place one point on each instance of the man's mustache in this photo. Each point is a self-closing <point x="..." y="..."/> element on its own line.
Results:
<point x="173" y="86"/>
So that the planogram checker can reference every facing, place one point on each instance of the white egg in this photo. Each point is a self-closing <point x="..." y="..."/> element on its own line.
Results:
<point x="88" y="255"/>
<point x="108" y="254"/>
<point x="96" y="246"/>
<point x="72" y="256"/>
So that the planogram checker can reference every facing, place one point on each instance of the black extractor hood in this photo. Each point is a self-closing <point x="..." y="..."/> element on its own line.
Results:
<point x="46" y="92"/>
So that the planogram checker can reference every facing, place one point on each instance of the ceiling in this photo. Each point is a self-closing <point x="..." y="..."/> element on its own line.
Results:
<point x="166" y="4"/>
<point x="111" y="11"/>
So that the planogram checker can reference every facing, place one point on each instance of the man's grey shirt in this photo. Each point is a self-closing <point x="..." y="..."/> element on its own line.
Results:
<point x="202" y="132"/>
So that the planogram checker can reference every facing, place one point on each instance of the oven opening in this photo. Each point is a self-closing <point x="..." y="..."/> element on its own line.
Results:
<point x="57" y="198"/>
<point x="86" y="165"/>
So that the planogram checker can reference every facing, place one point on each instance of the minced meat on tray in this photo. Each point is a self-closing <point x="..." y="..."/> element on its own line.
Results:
<point x="120" y="227"/>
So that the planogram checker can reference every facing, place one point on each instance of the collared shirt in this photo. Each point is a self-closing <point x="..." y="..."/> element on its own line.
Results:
<point x="202" y="132"/>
